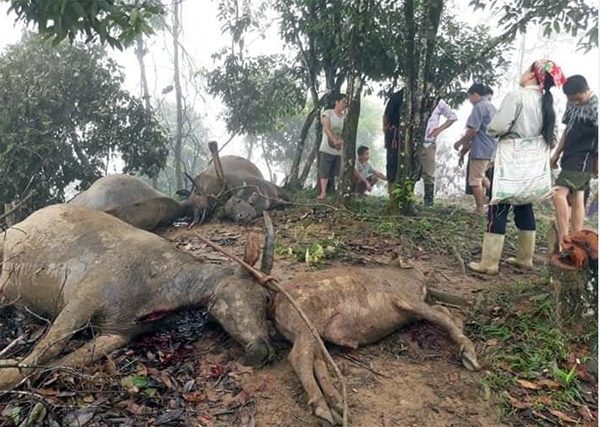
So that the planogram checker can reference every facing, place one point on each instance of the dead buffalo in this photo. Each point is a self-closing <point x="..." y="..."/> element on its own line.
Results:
<point x="132" y="200"/>
<point x="248" y="194"/>
<point x="81" y="267"/>
<point x="351" y="307"/>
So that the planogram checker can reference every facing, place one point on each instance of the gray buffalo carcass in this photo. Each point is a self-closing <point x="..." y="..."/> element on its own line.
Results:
<point x="132" y="200"/>
<point x="81" y="267"/>
<point x="247" y="194"/>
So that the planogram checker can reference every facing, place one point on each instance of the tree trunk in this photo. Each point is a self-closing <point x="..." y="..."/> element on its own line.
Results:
<point x="314" y="153"/>
<point x="267" y="159"/>
<point x="250" y="141"/>
<point x="294" y="181"/>
<point x="403" y="196"/>
<point x="350" y="129"/>
<point x="178" y="95"/>
<point x="575" y="295"/>
<point x="140" y="52"/>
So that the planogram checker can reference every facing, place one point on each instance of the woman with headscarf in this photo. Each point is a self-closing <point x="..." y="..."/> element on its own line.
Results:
<point x="526" y="112"/>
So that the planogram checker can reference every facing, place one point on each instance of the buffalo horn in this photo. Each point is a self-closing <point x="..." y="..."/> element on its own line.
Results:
<point x="269" y="246"/>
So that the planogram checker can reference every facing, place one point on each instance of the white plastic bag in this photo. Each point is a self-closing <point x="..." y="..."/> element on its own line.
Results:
<point x="521" y="171"/>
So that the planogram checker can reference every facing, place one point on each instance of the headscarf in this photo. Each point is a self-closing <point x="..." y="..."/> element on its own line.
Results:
<point x="547" y="66"/>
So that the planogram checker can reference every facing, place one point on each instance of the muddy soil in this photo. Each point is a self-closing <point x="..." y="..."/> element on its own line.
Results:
<point x="193" y="374"/>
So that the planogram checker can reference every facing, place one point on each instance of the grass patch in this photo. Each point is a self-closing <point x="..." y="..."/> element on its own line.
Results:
<point x="537" y="370"/>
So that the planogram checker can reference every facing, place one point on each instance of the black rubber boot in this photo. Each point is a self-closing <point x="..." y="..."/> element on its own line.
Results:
<point x="428" y="198"/>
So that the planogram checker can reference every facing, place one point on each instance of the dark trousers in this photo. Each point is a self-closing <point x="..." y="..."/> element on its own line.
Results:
<point x="498" y="215"/>
<point x="392" y="142"/>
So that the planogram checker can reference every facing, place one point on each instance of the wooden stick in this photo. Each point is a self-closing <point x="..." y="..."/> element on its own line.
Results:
<point x="12" y="344"/>
<point x="272" y="284"/>
<point x="214" y="151"/>
<point x="21" y="203"/>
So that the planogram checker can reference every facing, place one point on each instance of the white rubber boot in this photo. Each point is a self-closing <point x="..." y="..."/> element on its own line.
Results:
<point x="490" y="254"/>
<point x="525" y="250"/>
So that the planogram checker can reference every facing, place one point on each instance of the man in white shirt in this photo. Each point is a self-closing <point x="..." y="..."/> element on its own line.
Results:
<point x="365" y="175"/>
<point x="438" y="108"/>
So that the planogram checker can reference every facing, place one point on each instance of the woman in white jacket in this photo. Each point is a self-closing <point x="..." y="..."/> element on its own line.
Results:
<point x="526" y="112"/>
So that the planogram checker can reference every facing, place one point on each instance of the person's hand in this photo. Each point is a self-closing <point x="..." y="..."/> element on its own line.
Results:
<point x="338" y="143"/>
<point x="368" y="186"/>
<point x="457" y="145"/>
<point x="434" y="133"/>
<point x="461" y="160"/>
<point x="554" y="162"/>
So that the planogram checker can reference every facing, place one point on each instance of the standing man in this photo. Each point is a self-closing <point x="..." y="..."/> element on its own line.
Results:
<point x="579" y="149"/>
<point x="481" y="145"/>
<point x="392" y="129"/>
<point x="438" y="108"/>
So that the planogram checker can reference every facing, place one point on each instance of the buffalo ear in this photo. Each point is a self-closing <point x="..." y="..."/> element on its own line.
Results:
<point x="183" y="193"/>
<point x="253" y="198"/>
<point x="253" y="248"/>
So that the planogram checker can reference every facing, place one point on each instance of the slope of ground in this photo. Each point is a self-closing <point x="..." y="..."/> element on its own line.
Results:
<point x="192" y="374"/>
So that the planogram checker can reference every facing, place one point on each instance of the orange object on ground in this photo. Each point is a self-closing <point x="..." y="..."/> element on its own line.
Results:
<point x="578" y="249"/>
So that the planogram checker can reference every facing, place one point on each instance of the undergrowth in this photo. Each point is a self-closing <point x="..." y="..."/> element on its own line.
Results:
<point x="538" y="371"/>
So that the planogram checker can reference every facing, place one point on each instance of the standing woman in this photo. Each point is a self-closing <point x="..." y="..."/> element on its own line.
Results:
<point x="526" y="112"/>
<point x="330" y="151"/>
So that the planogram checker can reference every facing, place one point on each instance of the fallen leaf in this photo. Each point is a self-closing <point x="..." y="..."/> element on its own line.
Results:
<point x="196" y="396"/>
<point x="46" y="391"/>
<point x="529" y="385"/>
<point x="169" y="416"/>
<point x="242" y="369"/>
<point x="110" y="367"/>
<point x="585" y="413"/>
<point x="127" y="384"/>
<point x="131" y="406"/>
<point x="141" y="370"/>
<point x="79" y="417"/>
<point x="546" y="400"/>
<point x="562" y="416"/>
<point x="517" y="403"/>
<point x="549" y="384"/>
<point x="88" y="399"/>
<point x="166" y="380"/>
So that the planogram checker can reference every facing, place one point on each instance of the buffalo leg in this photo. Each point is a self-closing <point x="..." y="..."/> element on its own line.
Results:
<point x="49" y="346"/>
<point x="446" y="322"/>
<point x="301" y="358"/>
<point x="91" y="351"/>
<point x="333" y="397"/>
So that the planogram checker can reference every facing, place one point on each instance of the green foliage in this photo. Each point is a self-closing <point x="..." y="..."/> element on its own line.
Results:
<point x="525" y="348"/>
<point x="194" y="146"/>
<point x="576" y="17"/>
<point x="314" y="252"/>
<point x="260" y="93"/>
<point x="63" y="114"/>
<point x="115" y="22"/>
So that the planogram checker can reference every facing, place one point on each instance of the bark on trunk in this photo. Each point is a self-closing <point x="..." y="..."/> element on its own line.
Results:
<point x="294" y="181"/>
<point x="575" y="295"/>
<point x="178" y="95"/>
<point x="140" y="52"/>
<point x="350" y="130"/>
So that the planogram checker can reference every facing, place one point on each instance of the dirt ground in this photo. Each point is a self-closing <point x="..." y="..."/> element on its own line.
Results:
<point x="192" y="374"/>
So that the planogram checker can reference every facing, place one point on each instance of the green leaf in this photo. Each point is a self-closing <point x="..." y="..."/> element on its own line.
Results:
<point x="139" y="381"/>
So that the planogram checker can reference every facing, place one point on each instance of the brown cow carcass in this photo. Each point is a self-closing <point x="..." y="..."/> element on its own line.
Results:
<point x="82" y="267"/>
<point x="132" y="200"/>
<point x="352" y="307"/>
